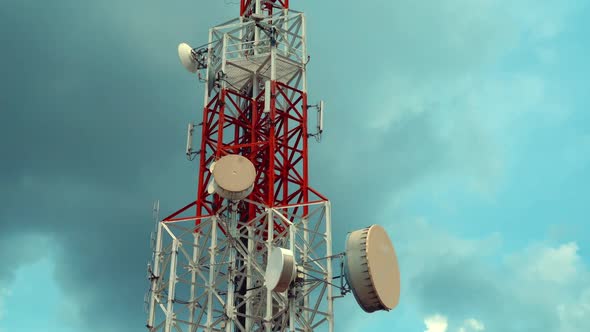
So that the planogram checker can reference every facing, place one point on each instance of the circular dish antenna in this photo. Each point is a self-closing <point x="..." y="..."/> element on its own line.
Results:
<point x="371" y="269"/>
<point x="185" y="53"/>
<point x="281" y="269"/>
<point x="233" y="177"/>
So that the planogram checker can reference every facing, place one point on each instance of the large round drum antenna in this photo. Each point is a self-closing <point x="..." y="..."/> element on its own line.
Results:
<point x="185" y="53"/>
<point x="281" y="269"/>
<point x="371" y="269"/>
<point x="233" y="177"/>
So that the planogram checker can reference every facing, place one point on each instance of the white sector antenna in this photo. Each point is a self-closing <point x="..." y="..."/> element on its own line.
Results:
<point x="185" y="53"/>
<point x="321" y="117"/>
<point x="267" y="96"/>
<point x="189" y="139"/>
<point x="371" y="269"/>
<point x="211" y="186"/>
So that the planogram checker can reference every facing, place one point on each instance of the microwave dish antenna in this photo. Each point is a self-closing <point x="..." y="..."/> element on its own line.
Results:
<point x="233" y="177"/>
<point x="281" y="269"/>
<point x="187" y="57"/>
<point x="371" y="269"/>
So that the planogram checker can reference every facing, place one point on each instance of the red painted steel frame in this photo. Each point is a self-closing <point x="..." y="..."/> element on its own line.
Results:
<point x="276" y="142"/>
<point x="247" y="6"/>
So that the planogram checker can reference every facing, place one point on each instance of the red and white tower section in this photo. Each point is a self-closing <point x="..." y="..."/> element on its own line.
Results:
<point x="253" y="251"/>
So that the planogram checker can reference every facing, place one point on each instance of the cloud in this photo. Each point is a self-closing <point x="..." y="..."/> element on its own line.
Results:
<point x="432" y="86"/>
<point x="79" y="139"/>
<point x="574" y="316"/>
<point x="559" y="265"/>
<point x="94" y="131"/>
<point x="4" y="293"/>
<point x="472" y="325"/>
<point x="440" y="323"/>
<point x="21" y="249"/>
<point x="465" y="279"/>
<point x="436" y="323"/>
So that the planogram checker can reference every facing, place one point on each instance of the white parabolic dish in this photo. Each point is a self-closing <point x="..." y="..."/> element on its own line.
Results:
<point x="185" y="53"/>
<point x="372" y="270"/>
<point x="233" y="177"/>
<point x="280" y="269"/>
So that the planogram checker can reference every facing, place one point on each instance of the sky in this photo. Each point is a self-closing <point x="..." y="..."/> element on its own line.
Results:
<point x="461" y="126"/>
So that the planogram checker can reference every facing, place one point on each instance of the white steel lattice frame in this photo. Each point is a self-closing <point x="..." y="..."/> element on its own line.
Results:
<point x="233" y="51"/>
<point x="193" y="272"/>
<point x="199" y="260"/>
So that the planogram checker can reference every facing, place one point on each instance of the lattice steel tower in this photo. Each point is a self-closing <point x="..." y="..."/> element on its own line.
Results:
<point x="209" y="265"/>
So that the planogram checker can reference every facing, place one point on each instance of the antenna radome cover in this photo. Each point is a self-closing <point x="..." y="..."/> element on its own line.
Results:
<point x="185" y="53"/>
<point x="280" y="269"/>
<point x="371" y="269"/>
<point x="233" y="177"/>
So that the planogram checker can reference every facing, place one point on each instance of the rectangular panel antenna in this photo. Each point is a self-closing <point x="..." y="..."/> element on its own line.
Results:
<point x="321" y="117"/>
<point x="267" y="96"/>
<point x="189" y="139"/>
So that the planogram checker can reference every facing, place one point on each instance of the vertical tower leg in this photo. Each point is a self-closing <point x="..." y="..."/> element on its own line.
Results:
<point x="328" y="234"/>
<point x="231" y="226"/>
<point x="269" y="302"/>
<point x="292" y="302"/>
<point x="154" y="276"/>
<point x="171" y="286"/>
<point x="249" y="280"/>
<point x="212" y="268"/>
<point x="194" y="266"/>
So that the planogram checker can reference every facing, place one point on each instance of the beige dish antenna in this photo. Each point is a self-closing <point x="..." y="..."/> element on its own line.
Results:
<point x="185" y="53"/>
<point x="233" y="177"/>
<point x="371" y="269"/>
<point x="281" y="269"/>
<point x="211" y="186"/>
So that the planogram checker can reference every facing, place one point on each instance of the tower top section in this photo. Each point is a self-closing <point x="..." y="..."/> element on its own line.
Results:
<point x="249" y="7"/>
<point x="268" y="47"/>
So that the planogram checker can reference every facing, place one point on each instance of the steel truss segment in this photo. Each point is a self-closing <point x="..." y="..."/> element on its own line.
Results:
<point x="234" y="42"/>
<point x="260" y="141"/>
<point x="248" y="7"/>
<point x="211" y="262"/>
<point x="198" y="286"/>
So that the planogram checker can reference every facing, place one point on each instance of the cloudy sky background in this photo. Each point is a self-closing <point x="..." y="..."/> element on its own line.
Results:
<point x="462" y="126"/>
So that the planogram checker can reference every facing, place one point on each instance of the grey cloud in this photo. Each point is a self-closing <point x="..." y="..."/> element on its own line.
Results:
<point x="94" y="107"/>
<point x="458" y="278"/>
<point x="21" y="249"/>
<point x="92" y="131"/>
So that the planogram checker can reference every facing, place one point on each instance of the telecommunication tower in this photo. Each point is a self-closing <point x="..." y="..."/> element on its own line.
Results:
<point x="253" y="251"/>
